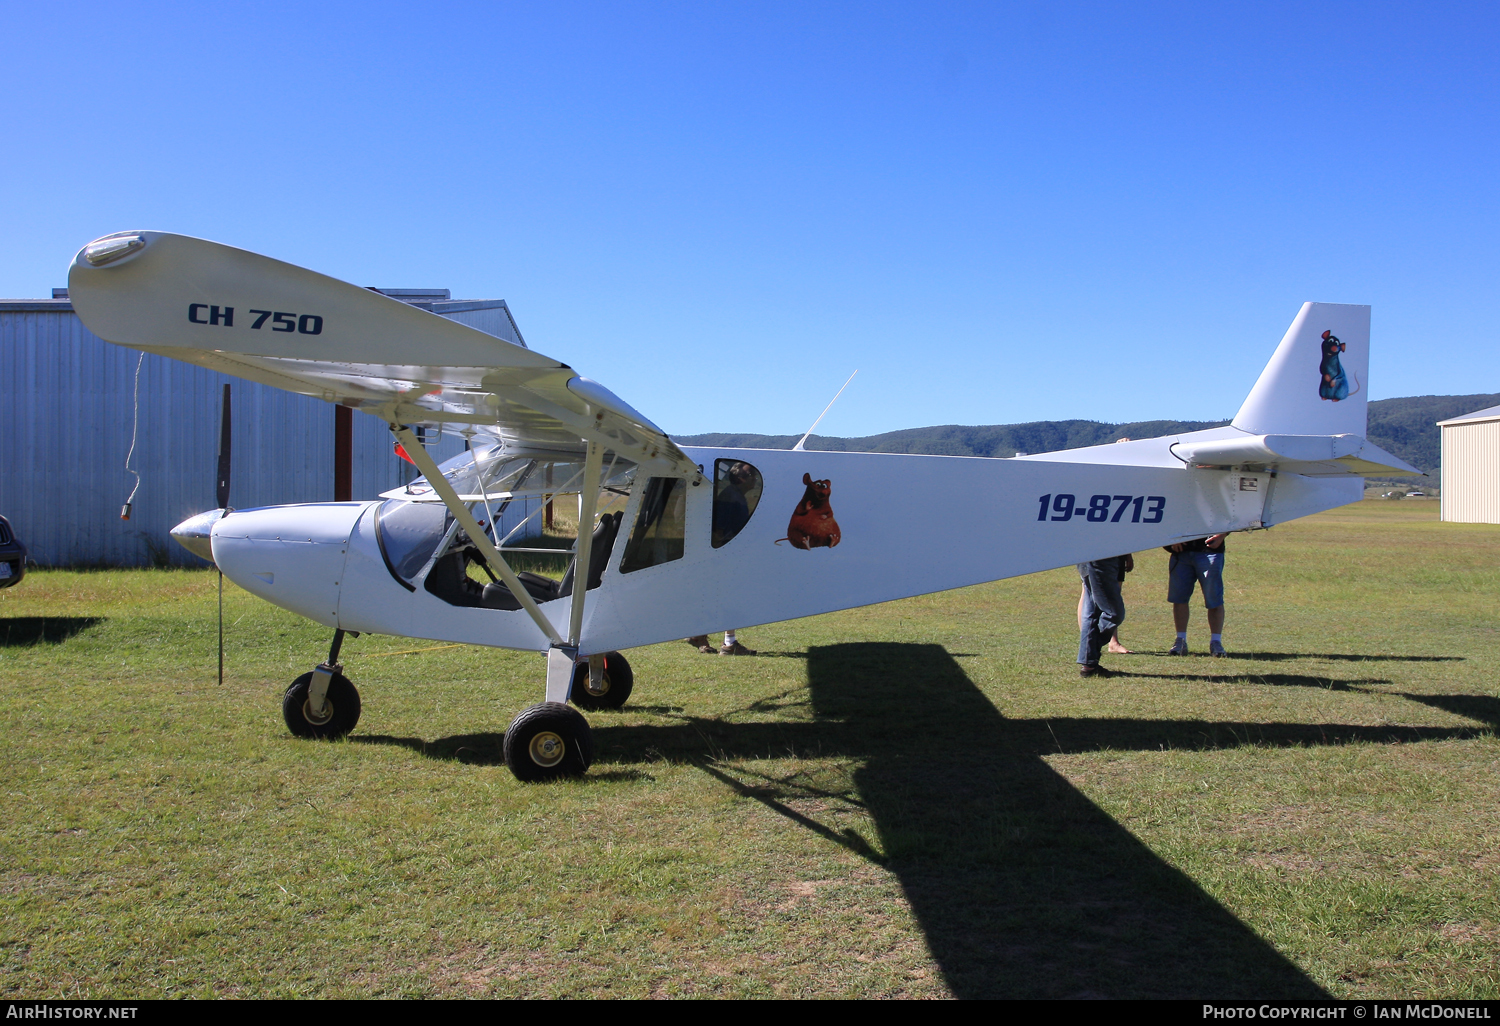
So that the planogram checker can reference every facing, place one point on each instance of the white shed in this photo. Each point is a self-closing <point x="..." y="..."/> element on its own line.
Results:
<point x="1471" y="467"/>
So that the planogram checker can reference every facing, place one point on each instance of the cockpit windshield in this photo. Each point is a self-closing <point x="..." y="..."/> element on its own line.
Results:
<point x="507" y="492"/>
<point x="410" y="529"/>
<point x="408" y="532"/>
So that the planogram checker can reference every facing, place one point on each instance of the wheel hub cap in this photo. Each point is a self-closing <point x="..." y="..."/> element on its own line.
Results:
<point x="547" y="749"/>
<point x="317" y="721"/>
<point x="599" y="689"/>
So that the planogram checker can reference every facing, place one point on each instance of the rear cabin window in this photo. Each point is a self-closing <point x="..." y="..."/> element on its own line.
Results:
<point x="737" y="488"/>
<point x="660" y="525"/>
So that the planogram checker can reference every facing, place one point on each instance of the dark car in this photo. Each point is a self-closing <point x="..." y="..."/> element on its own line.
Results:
<point x="12" y="556"/>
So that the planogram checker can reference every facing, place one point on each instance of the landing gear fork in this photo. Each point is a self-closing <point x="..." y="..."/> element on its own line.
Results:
<point x="323" y="703"/>
<point x="317" y="692"/>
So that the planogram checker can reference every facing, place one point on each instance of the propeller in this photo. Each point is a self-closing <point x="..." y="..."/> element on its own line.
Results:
<point x="221" y="495"/>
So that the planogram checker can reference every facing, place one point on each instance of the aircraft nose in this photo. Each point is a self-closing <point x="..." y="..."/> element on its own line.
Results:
<point x="196" y="533"/>
<point x="292" y="556"/>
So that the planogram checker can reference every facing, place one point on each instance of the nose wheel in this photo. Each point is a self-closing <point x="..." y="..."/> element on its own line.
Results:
<point x="336" y="716"/>
<point x="323" y="703"/>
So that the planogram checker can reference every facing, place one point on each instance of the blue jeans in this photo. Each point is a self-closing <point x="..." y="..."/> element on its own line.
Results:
<point x="1185" y="569"/>
<point x="1103" y="607"/>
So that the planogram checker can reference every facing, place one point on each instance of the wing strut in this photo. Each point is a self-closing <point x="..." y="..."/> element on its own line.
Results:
<point x="588" y="501"/>
<point x="429" y="469"/>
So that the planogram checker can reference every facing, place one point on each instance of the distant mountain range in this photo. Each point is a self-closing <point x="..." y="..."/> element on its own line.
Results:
<point x="1406" y="427"/>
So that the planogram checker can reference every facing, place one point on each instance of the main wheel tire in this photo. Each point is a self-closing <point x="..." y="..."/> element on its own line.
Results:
<point x="341" y="708"/>
<point x="615" y="684"/>
<point x="548" y="741"/>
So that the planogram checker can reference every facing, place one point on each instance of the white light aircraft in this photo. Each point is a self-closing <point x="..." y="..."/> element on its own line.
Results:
<point x="681" y="541"/>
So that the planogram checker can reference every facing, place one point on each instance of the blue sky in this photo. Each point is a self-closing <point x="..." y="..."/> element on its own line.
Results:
<point x="997" y="212"/>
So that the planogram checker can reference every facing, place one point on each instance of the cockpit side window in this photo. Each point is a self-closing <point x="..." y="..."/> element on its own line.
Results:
<point x="737" y="488"/>
<point x="660" y="525"/>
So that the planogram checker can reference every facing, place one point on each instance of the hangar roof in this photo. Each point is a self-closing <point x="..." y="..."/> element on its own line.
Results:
<point x="1493" y="413"/>
<point x="488" y="315"/>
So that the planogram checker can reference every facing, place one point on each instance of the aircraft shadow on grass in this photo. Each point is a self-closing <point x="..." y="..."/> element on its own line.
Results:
<point x="1023" y="886"/>
<point x="1475" y="707"/>
<point x="1347" y="657"/>
<point x="1278" y="680"/>
<point x="25" y="631"/>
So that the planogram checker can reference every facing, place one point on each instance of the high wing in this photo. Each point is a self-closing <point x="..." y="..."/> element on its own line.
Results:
<point x="268" y="321"/>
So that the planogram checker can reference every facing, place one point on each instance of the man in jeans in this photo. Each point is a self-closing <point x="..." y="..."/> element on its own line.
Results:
<point x="1103" y="609"/>
<point x="1200" y="562"/>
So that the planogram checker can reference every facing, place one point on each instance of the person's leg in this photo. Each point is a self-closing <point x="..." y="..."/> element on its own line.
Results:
<point x="1104" y="589"/>
<point x="1180" y="580"/>
<point x="1213" y="599"/>
<point x="1115" y="645"/>
<point x="1106" y="610"/>
<point x="1088" y="615"/>
<point x="732" y="645"/>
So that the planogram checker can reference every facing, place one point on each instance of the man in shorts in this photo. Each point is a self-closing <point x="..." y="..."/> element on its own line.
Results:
<point x="1198" y="562"/>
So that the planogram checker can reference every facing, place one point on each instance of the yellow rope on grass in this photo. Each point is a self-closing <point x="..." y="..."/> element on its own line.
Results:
<point x="413" y="651"/>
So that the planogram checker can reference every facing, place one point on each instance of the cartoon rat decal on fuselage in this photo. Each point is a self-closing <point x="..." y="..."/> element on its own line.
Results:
<point x="812" y="525"/>
<point x="1332" y="385"/>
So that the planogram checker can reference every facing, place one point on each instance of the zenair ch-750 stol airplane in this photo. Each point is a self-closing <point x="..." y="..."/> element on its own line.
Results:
<point x="673" y="542"/>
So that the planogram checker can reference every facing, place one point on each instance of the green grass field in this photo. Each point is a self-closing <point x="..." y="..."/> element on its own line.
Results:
<point x="920" y="799"/>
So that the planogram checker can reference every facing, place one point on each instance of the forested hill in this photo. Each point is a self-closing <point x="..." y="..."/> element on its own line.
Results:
<point x="1408" y="427"/>
<point x="958" y="440"/>
<point x="1405" y="427"/>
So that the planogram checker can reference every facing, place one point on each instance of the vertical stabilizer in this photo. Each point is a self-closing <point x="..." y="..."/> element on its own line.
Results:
<point x="1316" y="382"/>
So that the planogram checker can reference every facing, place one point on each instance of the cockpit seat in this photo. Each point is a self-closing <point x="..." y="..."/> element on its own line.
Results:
<point x="544" y="589"/>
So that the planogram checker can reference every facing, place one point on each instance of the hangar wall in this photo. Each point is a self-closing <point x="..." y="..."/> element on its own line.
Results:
<point x="65" y="427"/>
<point x="1471" y="468"/>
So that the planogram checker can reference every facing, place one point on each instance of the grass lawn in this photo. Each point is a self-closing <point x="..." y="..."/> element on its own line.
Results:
<point x="920" y="799"/>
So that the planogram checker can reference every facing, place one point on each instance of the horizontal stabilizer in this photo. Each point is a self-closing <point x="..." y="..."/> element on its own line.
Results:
<point x="1353" y="453"/>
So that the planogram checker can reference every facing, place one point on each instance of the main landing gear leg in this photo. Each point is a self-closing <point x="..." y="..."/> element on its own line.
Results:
<point x="323" y="703"/>
<point x="551" y="739"/>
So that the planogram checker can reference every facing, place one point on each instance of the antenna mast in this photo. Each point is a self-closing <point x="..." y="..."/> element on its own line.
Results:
<point x="803" y="440"/>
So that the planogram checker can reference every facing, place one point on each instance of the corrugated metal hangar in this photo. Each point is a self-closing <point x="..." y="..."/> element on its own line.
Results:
<point x="1471" y="467"/>
<point x="67" y="408"/>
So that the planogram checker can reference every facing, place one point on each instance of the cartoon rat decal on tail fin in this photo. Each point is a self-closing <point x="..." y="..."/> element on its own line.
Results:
<point x="1334" y="385"/>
